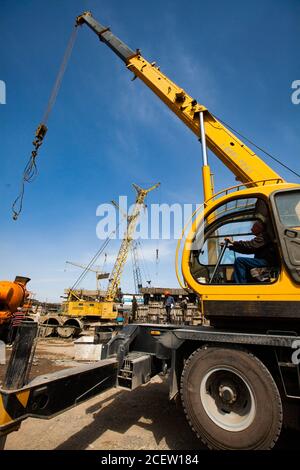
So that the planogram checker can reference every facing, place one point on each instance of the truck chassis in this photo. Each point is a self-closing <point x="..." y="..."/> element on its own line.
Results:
<point x="238" y="389"/>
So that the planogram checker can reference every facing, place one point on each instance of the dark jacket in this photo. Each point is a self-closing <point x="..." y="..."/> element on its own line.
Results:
<point x="261" y="246"/>
<point x="134" y="305"/>
<point x="183" y="304"/>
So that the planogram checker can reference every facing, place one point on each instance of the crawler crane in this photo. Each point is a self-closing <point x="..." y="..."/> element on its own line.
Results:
<point x="79" y="313"/>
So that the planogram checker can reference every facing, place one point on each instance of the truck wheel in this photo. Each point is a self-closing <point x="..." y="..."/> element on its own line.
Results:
<point x="230" y="399"/>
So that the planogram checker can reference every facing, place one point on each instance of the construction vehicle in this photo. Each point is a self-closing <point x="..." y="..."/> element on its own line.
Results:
<point x="13" y="294"/>
<point x="134" y="249"/>
<point x="114" y="281"/>
<point x="238" y="377"/>
<point x="77" y="313"/>
<point x="75" y="305"/>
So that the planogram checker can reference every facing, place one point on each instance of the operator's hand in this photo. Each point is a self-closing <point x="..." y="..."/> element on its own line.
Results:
<point x="229" y="241"/>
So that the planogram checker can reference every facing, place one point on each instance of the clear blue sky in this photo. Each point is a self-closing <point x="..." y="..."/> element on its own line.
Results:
<point x="237" y="58"/>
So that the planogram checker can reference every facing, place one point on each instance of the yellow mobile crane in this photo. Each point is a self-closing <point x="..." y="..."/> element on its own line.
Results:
<point x="262" y="195"/>
<point x="239" y="377"/>
<point x="77" y="307"/>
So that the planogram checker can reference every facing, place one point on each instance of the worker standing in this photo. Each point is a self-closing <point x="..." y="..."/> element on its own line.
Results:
<point x="183" y="306"/>
<point x="134" y="309"/>
<point x="169" y="304"/>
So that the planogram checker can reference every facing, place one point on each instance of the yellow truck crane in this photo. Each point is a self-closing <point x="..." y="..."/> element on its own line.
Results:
<point x="239" y="376"/>
<point x="262" y="195"/>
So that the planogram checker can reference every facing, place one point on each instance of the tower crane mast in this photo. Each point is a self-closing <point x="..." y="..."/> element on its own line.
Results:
<point x="137" y="276"/>
<point x="132" y="219"/>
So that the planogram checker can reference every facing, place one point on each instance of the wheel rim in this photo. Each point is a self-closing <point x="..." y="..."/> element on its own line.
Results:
<point x="227" y="399"/>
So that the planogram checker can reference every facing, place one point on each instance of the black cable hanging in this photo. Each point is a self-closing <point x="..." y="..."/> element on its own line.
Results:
<point x="144" y="266"/>
<point x="94" y="259"/>
<point x="30" y="170"/>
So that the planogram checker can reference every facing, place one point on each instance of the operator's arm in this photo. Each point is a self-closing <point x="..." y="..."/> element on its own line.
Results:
<point x="248" y="246"/>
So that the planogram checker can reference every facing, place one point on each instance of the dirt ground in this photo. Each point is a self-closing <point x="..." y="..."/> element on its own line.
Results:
<point x="51" y="355"/>
<point x="117" y="419"/>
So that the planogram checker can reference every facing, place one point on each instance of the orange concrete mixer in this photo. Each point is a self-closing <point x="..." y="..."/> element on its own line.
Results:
<point x="12" y="296"/>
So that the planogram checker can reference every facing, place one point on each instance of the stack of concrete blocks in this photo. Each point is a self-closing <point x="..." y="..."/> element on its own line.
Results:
<point x="155" y="312"/>
<point x="192" y="315"/>
<point x="195" y="314"/>
<point x="178" y="316"/>
<point x="142" y="313"/>
<point x="86" y="350"/>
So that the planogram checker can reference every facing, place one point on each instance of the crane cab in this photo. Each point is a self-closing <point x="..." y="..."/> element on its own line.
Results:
<point x="269" y="293"/>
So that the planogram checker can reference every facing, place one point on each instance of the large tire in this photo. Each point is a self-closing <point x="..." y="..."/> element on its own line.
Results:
<point x="49" y="330"/>
<point x="70" y="329"/>
<point x="230" y="399"/>
<point x="65" y="331"/>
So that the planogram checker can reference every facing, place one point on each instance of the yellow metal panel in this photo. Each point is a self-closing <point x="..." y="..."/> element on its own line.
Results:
<point x="102" y="310"/>
<point x="107" y="311"/>
<point x="23" y="397"/>
<point x="4" y="417"/>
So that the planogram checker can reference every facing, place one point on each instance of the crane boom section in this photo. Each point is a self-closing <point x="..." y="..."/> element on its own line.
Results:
<point x="239" y="158"/>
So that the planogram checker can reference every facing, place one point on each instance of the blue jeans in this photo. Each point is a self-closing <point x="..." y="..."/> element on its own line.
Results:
<point x="242" y="266"/>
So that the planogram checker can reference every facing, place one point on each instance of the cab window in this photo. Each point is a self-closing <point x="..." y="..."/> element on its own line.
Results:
<point x="212" y="263"/>
<point x="288" y="208"/>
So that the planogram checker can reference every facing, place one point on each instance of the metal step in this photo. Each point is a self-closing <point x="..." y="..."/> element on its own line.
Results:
<point x="135" y="371"/>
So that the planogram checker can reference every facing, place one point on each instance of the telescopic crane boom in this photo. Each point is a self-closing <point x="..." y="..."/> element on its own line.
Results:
<point x="240" y="159"/>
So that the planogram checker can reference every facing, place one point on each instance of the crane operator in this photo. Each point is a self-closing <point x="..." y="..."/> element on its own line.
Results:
<point x="261" y="246"/>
